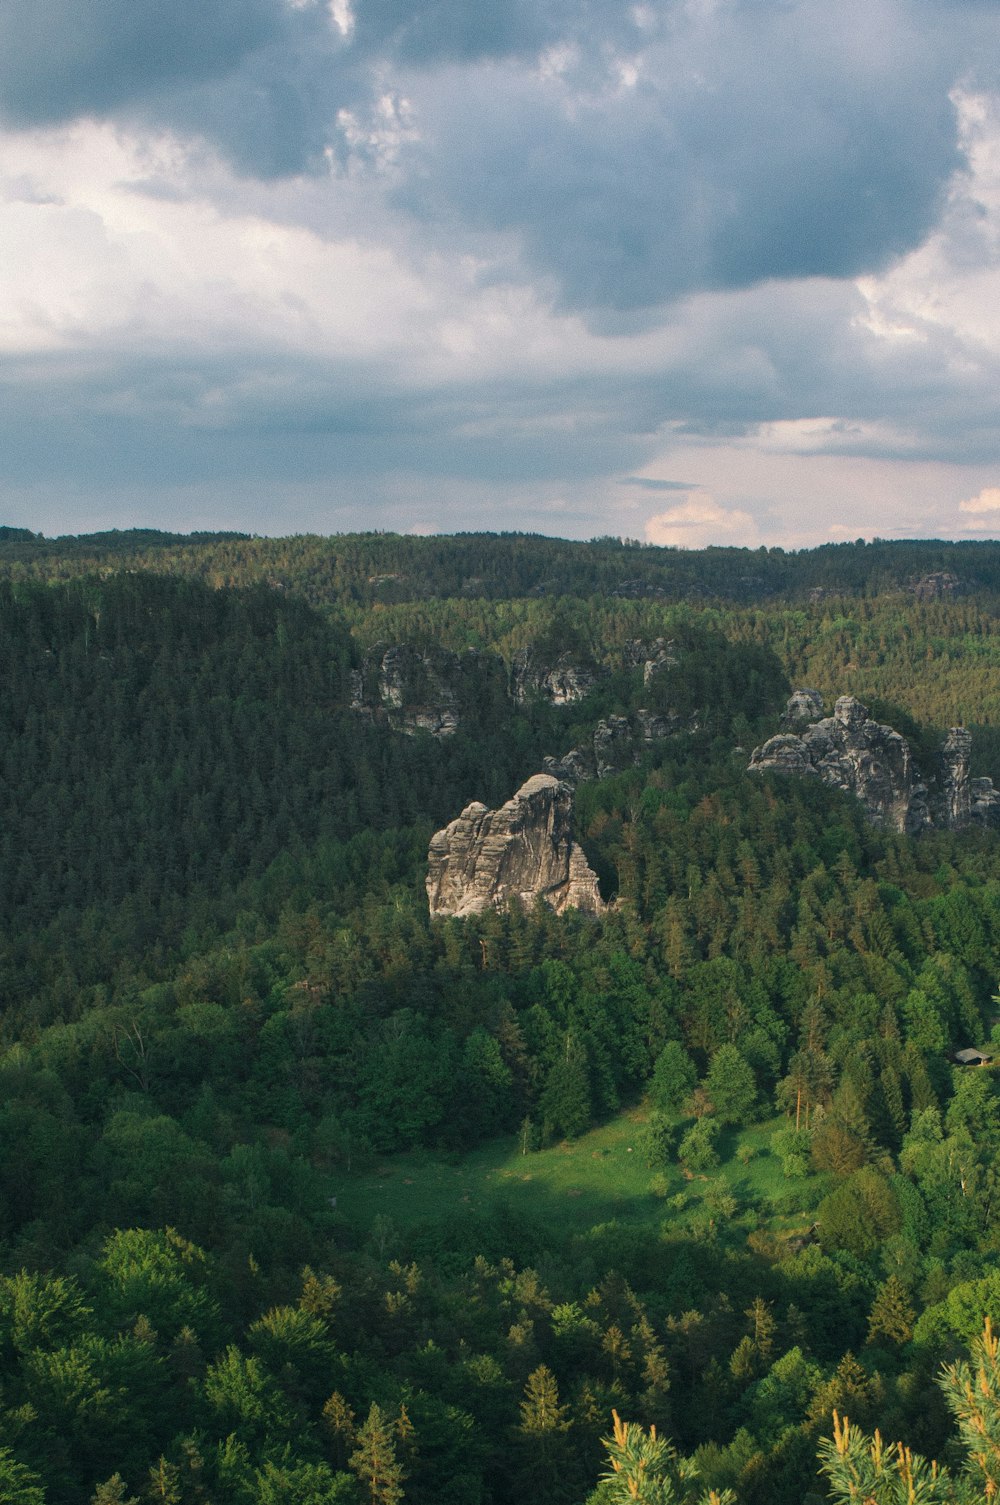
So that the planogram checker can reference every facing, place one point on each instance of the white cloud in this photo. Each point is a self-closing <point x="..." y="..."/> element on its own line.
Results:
<point x="948" y="289"/>
<point x="983" y="510"/>
<point x="698" y="522"/>
<point x="988" y="500"/>
<point x="820" y="436"/>
<point x="342" y="13"/>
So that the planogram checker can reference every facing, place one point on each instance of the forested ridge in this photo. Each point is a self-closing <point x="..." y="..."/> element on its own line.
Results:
<point x="371" y="568"/>
<point x="227" y="1016"/>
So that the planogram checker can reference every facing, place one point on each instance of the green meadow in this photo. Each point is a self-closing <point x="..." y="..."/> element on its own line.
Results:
<point x="601" y="1176"/>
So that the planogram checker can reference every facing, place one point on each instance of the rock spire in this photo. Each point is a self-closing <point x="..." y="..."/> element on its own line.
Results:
<point x="850" y="751"/>
<point x="522" y="852"/>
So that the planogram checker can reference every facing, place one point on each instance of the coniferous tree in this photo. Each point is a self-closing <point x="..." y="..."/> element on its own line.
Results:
<point x="644" y="1468"/>
<point x="566" y="1101"/>
<point x="374" y="1460"/>
<point x="545" y="1455"/>
<point x="113" y="1492"/>
<point x="892" y="1315"/>
<point x="674" y="1077"/>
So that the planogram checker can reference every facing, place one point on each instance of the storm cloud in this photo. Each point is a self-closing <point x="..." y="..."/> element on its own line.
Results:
<point x="543" y="254"/>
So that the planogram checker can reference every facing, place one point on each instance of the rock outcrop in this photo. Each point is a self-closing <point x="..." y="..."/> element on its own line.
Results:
<point x="803" y="705"/>
<point x="875" y="763"/>
<point x="432" y="689"/>
<point x="651" y="657"/>
<point x="955" y="786"/>
<point x="962" y="800"/>
<point x="522" y="852"/>
<point x="939" y="584"/>
<point x="618" y="743"/>
<point x="566" y="680"/>
<point x="424" y="689"/>
<point x="849" y="751"/>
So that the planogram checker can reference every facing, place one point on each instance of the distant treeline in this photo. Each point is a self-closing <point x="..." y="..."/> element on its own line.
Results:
<point x="368" y="568"/>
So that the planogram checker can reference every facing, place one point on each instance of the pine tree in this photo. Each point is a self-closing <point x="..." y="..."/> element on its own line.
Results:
<point x="645" y="1469"/>
<point x="18" y="1485"/>
<point x="566" y="1100"/>
<point x="112" y="1492"/>
<point x="892" y="1316"/>
<point x="542" y="1417"/>
<point x="862" y="1468"/>
<point x="164" y="1484"/>
<point x="374" y="1460"/>
<point x="544" y="1460"/>
<point x="731" y="1086"/>
<point x="674" y="1077"/>
<point x="339" y="1420"/>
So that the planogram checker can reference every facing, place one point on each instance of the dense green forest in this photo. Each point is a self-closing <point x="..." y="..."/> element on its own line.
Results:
<point x="228" y="1020"/>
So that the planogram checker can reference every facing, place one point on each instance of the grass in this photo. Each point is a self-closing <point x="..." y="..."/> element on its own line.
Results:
<point x="600" y="1176"/>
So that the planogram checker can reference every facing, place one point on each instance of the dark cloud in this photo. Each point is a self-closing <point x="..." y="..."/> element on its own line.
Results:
<point x="261" y="79"/>
<point x="451" y="30"/>
<point x="649" y="483"/>
<point x="669" y="147"/>
<point x="81" y="57"/>
<point x="430" y="32"/>
<point x="120" y="421"/>
<point x="133" y="427"/>
<point x="766" y="146"/>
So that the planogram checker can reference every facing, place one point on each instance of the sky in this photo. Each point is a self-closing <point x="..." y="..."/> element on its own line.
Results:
<point x="687" y="271"/>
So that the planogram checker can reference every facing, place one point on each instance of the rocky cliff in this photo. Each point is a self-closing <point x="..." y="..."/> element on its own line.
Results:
<point x="618" y="743"/>
<point x="432" y="689"/>
<point x="961" y="800"/>
<point x="567" y="679"/>
<point x="426" y="689"/>
<point x="850" y="751"/>
<point x="524" y="851"/>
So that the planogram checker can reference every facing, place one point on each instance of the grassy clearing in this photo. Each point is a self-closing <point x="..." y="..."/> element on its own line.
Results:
<point x="598" y="1177"/>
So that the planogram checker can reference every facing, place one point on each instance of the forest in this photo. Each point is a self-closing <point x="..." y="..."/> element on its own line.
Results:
<point x="306" y="1197"/>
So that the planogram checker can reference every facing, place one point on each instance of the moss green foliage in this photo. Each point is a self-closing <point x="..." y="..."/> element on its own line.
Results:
<point x="674" y="1077"/>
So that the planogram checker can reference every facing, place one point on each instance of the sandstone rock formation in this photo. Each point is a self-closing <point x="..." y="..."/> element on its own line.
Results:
<point x="575" y="767"/>
<point x="522" y="852"/>
<point x="562" y="682"/>
<point x="962" y="800"/>
<point x="614" y="746"/>
<point x="654" y="726"/>
<point x="418" y="688"/>
<point x="652" y="657"/>
<point x="803" y="705"/>
<point x="618" y="743"/>
<point x="850" y="751"/>
<point x="430" y="688"/>
<point x="936" y="585"/>
<point x="955" y="791"/>
<point x="424" y="689"/>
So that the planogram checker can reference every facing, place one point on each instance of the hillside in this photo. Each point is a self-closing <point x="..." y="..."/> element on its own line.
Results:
<point x="294" y="1174"/>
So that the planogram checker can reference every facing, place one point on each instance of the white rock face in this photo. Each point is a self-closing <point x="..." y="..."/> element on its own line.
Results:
<point x="414" y="689"/>
<point x="874" y="763"/>
<point x="522" y="852"/>
<point x="964" y="801"/>
<point x="803" y="705"/>
<point x="851" y="752"/>
<point x="561" y="683"/>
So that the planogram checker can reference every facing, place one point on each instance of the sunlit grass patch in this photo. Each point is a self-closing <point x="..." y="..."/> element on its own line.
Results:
<point x="579" y="1183"/>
